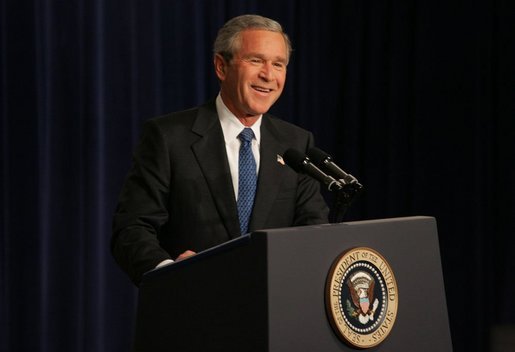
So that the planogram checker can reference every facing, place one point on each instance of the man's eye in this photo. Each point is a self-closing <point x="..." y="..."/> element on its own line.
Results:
<point x="256" y="60"/>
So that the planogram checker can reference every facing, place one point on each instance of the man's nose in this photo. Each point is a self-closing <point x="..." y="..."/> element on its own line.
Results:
<point x="267" y="72"/>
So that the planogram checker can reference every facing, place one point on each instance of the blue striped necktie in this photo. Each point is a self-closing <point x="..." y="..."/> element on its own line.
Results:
<point x="247" y="179"/>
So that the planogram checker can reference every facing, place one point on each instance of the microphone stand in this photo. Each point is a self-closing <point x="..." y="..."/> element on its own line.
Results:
<point x="342" y="200"/>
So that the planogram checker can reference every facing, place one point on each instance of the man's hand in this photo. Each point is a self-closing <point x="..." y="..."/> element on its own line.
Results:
<point x="184" y="255"/>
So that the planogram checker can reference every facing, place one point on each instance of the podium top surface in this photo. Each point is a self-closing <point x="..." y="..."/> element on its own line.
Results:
<point x="246" y="239"/>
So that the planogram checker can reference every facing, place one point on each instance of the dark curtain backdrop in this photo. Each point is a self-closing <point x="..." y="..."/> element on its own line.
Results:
<point x="415" y="98"/>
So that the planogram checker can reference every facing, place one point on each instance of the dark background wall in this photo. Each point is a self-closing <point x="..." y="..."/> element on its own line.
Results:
<point x="415" y="98"/>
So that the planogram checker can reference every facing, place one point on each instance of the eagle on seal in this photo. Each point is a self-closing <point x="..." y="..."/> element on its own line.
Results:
<point x="361" y="286"/>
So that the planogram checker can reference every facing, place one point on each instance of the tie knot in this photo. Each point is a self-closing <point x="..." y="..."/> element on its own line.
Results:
<point x="246" y="135"/>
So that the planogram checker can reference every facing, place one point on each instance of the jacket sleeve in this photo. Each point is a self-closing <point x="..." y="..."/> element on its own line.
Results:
<point x="141" y="209"/>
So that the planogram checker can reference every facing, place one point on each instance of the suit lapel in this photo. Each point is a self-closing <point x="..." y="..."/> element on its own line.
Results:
<point x="269" y="174"/>
<point x="212" y="158"/>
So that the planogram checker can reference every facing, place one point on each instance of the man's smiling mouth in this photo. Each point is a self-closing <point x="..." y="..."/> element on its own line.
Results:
<point x="262" y="90"/>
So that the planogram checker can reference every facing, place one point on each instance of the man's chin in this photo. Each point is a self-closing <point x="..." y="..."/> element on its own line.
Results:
<point x="260" y="109"/>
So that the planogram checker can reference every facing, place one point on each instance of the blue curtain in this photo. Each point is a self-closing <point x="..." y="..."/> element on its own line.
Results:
<point x="413" y="98"/>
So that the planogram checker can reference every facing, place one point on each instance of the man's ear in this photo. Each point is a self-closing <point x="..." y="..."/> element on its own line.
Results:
<point x="220" y="66"/>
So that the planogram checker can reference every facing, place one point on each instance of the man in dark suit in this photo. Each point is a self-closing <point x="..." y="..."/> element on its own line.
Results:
<point x="190" y="187"/>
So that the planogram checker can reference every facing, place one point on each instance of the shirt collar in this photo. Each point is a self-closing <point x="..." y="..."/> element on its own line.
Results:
<point x="230" y="123"/>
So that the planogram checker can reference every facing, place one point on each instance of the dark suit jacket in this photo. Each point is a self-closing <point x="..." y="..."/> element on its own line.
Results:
<point x="179" y="194"/>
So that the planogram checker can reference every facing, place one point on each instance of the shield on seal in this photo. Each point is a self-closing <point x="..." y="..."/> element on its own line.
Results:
<point x="364" y="304"/>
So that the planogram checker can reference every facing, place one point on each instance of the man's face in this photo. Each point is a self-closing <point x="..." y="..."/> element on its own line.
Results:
<point x="254" y="79"/>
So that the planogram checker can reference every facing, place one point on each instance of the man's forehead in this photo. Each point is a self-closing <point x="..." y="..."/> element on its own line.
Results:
<point x="258" y="41"/>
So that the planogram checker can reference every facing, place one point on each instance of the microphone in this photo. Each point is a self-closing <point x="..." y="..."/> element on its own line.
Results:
<point x="325" y="161"/>
<point x="302" y="164"/>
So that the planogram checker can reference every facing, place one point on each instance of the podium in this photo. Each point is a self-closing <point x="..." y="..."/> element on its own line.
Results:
<point x="267" y="291"/>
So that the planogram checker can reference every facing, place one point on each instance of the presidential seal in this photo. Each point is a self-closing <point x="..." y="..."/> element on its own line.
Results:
<point x="361" y="297"/>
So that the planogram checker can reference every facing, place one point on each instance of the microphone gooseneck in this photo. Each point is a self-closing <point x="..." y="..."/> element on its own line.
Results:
<point x="302" y="164"/>
<point x="324" y="160"/>
<point x="344" y="186"/>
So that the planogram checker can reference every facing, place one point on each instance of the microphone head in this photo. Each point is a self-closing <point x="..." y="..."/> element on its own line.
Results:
<point x="301" y="164"/>
<point x="294" y="159"/>
<point x="318" y="155"/>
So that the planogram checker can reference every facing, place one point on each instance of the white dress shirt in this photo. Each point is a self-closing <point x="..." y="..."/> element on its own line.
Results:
<point x="231" y="128"/>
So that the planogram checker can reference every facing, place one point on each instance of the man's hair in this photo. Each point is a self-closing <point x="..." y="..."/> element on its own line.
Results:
<point x="227" y="41"/>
